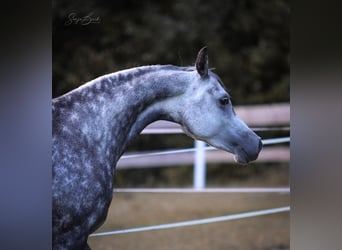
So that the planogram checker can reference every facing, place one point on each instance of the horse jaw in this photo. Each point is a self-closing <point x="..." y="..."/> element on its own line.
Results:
<point x="244" y="152"/>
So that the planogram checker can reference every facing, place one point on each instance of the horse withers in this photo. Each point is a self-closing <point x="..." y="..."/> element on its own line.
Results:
<point x="93" y="124"/>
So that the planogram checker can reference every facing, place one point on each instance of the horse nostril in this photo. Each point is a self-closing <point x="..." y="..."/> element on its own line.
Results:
<point x="260" y="145"/>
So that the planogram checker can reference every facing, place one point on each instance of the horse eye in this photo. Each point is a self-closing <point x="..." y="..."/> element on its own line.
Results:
<point x="224" y="100"/>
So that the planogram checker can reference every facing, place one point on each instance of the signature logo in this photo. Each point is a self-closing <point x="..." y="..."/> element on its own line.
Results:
<point x="84" y="20"/>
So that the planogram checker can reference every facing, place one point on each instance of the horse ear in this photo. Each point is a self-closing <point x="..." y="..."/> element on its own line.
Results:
<point x="202" y="62"/>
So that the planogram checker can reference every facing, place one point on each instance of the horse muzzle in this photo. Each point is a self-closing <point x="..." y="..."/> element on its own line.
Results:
<point x="248" y="152"/>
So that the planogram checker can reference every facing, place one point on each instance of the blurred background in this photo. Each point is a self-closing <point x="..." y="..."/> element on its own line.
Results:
<point x="248" y="45"/>
<point x="248" y="41"/>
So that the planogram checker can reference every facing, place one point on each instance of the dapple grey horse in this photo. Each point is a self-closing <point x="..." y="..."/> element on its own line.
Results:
<point x="93" y="124"/>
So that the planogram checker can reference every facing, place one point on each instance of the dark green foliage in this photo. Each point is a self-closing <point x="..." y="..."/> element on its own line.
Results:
<point x="248" y="41"/>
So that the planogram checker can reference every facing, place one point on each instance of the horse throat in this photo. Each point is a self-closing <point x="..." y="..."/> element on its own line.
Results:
<point x="137" y="96"/>
<point x="147" y="98"/>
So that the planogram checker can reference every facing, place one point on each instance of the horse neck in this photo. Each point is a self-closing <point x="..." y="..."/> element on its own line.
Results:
<point x="150" y="88"/>
<point x="125" y="102"/>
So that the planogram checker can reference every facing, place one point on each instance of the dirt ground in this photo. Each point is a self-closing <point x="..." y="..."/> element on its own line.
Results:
<point x="143" y="209"/>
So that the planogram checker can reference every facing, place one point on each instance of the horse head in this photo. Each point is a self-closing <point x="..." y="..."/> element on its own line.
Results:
<point x="208" y="115"/>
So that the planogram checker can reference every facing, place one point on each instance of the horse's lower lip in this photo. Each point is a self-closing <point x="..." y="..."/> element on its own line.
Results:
<point x="241" y="159"/>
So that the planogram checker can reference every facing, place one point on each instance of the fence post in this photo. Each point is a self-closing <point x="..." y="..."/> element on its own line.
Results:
<point x="199" y="165"/>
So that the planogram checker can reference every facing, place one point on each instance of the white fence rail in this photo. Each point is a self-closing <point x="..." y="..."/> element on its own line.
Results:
<point x="284" y="190"/>
<point x="186" y="157"/>
<point x="196" y="222"/>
